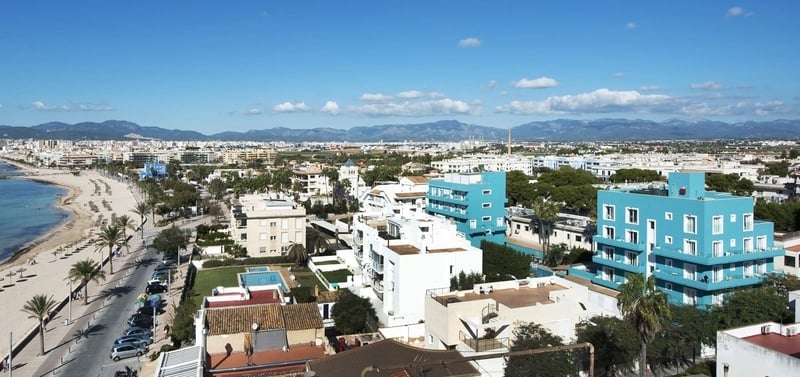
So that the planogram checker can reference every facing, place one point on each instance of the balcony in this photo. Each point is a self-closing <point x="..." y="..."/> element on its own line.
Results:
<point x="620" y="243"/>
<point x="731" y="256"/>
<point x="706" y="281"/>
<point x="377" y="287"/>
<point x="481" y="345"/>
<point x="377" y="267"/>
<point x="618" y="262"/>
<point x="599" y="280"/>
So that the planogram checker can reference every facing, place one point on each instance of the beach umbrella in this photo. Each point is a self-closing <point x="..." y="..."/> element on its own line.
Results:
<point x="20" y="271"/>
<point x="11" y="273"/>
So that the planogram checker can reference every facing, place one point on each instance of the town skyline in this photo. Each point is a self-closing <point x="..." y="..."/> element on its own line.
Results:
<point x="210" y="67"/>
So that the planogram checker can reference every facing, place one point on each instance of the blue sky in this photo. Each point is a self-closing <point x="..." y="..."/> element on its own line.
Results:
<point x="214" y="66"/>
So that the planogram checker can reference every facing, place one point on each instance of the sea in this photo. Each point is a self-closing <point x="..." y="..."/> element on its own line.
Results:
<point x="27" y="210"/>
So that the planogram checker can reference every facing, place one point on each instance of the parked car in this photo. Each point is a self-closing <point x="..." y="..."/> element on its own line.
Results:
<point x="166" y="267"/>
<point x="156" y="287"/>
<point x="122" y="351"/>
<point x="148" y="310"/>
<point x="134" y="330"/>
<point x="169" y="259"/>
<point x="141" y="320"/>
<point x="142" y="340"/>
<point x="162" y="276"/>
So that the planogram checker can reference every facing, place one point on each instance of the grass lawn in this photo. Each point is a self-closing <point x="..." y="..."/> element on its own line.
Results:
<point x="208" y="279"/>
<point x="337" y="276"/>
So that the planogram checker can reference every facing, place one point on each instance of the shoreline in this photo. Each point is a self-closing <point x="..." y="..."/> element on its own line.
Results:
<point x="61" y="233"/>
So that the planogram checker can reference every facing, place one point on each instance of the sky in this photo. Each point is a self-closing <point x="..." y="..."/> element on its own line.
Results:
<point x="214" y="66"/>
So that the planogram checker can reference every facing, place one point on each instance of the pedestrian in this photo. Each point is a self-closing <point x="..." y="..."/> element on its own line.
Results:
<point x="166" y="331"/>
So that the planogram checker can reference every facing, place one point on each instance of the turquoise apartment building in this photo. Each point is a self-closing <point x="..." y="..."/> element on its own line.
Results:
<point x="474" y="201"/>
<point x="699" y="244"/>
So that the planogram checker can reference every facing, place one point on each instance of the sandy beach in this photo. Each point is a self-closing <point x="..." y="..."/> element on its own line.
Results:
<point x="92" y="199"/>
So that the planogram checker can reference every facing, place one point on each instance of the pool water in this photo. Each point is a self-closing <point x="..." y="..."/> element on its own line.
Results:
<point x="260" y="278"/>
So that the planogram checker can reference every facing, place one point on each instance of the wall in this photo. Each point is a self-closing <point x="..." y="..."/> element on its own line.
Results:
<point x="748" y="359"/>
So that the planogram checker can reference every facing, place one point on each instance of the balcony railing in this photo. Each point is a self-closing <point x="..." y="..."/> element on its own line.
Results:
<point x="620" y="243"/>
<point x="480" y="345"/>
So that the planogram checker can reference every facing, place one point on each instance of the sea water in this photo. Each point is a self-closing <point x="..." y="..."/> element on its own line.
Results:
<point x="27" y="210"/>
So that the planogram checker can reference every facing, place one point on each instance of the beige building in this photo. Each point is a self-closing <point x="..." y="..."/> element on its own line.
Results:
<point x="238" y="156"/>
<point x="267" y="227"/>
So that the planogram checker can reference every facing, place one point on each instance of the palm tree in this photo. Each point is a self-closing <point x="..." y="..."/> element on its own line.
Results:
<point x="646" y="308"/>
<point x="546" y="211"/>
<point x="141" y="209"/>
<point x="315" y="240"/>
<point x="83" y="272"/>
<point x="110" y="236"/>
<point x="125" y="222"/>
<point x="152" y="203"/>
<point x="39" y="307"/>
<point x="299" y="253"/>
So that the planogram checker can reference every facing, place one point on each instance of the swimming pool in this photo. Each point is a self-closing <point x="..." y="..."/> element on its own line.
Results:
<point x="260" y="278"/>
<point x="257" y="269"/>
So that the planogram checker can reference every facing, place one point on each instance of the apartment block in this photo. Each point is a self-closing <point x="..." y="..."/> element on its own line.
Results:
<point x="699" y="244"/>
<point x="267" y="227"/>
<point x="475" y="202"/>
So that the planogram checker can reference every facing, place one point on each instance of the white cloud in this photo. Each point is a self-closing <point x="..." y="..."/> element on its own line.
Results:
<point x="631" y="25"/>
<point x="288" y="107"/>
<point x="708" y="85"/>
<point x="410" y="94"/>
<point x="541" y="82"/>
<point x="375" y="97"/>
<point x="490" y="85"/>
<point x="253" y="111"/>
<point x="738" y="11"/>
<point x="649" y="87"/>
<point x="618" y="75"/>
<point x="1" y="105"/>
<point x="436" y="95"/>
<point x="598" y="101"/>
<point x="330" y="108"/>
<point x="470" y="42"/>
<point x="39" y="105"/>
<point x="417" y="109"/>
<point x="95" y="107"/>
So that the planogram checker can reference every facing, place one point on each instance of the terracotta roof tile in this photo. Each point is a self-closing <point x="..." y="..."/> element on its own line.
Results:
<point x="302" y="316"/>
<point x="239" y="319"/>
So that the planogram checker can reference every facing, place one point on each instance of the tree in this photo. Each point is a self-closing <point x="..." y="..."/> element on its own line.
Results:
<point x="779" y="168"/>
<point x="614" y="341"/>
<point x="351" y="312"/>
<point x="299" y="253"/>
<point x="646" y="308"/>
<point x="532" y="336"/>
<point x="518" y="188"/>
<point x="731" y="183"/>
<point x="750" y="306"/>
<point x="635" y="175"/>
<point x="555" y="255"/>
<point x="83" y="272"/>
<point x="39" y="308"/>
<point x="141" y="209"/>
<point x="502" y="262"/>
<point x="172" y="240"/>
<point x="315" y="240"/>
<point x="217" y="188"/>
<point x="124" y="223"/>
<point x="109" y="236"/>
<point x="546" y="211"/>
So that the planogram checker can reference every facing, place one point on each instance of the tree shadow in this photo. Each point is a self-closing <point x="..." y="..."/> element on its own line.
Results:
<point x="116" y="291"/>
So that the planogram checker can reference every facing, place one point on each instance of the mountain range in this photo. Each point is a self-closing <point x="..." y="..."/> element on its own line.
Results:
<point x="445" y="130"/>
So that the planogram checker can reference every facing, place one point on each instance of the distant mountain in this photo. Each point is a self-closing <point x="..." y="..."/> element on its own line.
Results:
<point x="445" y="130"/>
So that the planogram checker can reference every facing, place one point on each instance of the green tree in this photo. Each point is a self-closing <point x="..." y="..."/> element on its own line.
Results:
<point x="172" y="240"/>
<point x="529" y="336"/>
<point x="315" y="240"/>
<point x="731" y="183"/>
<point x="779" y="168"/>
<point x="141" y="209"/>
<point x="546" y="212"/>
<point x="555" y="255"/>
<point x="635" y="175"/>
<point x="183" y="321"/>
<point x="109" y="237"/>
<point x="614" y="340"/>
<point x="351" y="313"/>
<point x="502" y="262"/>
<point x="518" y="188"/>
<point x="83" y="272"/>
<point x="217" y="188"/>
<point x="298" y="253"/>
<point x="39" y="308"/>
<point x="124" y="223"/>
<point x="750" y="306"/>
<point x="282" y="179"/>
<point x="646" y="308"/>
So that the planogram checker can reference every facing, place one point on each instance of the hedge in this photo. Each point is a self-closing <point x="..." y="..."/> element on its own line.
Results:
<point x="246" y="261"/>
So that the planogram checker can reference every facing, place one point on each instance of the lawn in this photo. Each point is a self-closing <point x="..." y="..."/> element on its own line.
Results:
<point x="208" y="279"/>
<point x="338" y="276"/>
<point x="306" y="278"/>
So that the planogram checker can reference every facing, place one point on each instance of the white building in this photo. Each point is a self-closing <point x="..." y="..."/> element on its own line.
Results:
<point x="484" y="162"/>
<point x="386" y="199"/>
<point x="484" y="319"/>
<point x="311" y="180"/>
<point x="349" y="171"/>
<point x="267" y="227"/>
<point x="765" y="349"/>
<point x="571" y="230"/>
<point x="404" y="255"/>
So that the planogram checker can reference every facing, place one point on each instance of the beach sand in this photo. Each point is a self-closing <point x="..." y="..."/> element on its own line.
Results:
<point x="57" y="250"/>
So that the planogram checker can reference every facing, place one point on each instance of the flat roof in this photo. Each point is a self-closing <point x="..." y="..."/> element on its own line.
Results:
<point x="789" y="345"/>
<point x="404" y="249"/>
<point x="526" y="295"/>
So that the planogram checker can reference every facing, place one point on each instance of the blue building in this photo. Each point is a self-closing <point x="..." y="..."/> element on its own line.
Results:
<point x="475" y="201"/>
<point x="699" y="244"/>
<point x="154" y="170"/>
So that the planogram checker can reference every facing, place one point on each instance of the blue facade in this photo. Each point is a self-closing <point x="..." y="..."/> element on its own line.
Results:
<point x="154" y="170"/>
<point x="698" y="244"/>
<point x="476" y="202"/>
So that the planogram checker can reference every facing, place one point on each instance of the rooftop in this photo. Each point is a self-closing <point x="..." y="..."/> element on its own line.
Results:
<point x="526" y="295"/>
<point x="270" y="296"/>
<point x="789" y="345"/>
<point x="239" y="319"/>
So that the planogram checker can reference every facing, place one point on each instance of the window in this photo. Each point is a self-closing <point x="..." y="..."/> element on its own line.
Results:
<point x="500" y="221"/>
<point x="284" y="237"/>
<point x="761" y="243"/>
<point x="748" y="269"/>
<point x="273" y="224"/>
<point x="668" y="240"/>
<point x="789" y="261"/>
<point x="747" y="244"/>
<point x="732" y="267"/>
<point x="262" y="236"/>
<point x="761" y="267"/>
<point x="668" y="286"/>
<point x="689" y="271"/>
<point x="273" y="238"/>
<point x="716" y="247"/>
<point x="733" y="217"/>
<point x="668" y="215"/>
<point x="486" y="192"/>
<point x="298" y="237"/>
<point x="718" y="299"/>
<point x="689" y="296"/>
<point x="243" y="237"/>
<point x="486" y="218"/>
<point x="747" y="220"/>
<point x="473" y="224"/>
<point x="668" y="262"/>
<point x="486" y="205"/>
<point x="608" y="212"/>
<point x="733" y="242"/>
<point x="690" y="247"/>
<point x="632" y="215"/>
<point x="631" y="259"/>
<point x="578" y="238"/>
<point x="690" y="224"/>
<point x="298" y="223"/>
<point x="631" y="236"/>
<point x="608" y="232"/>
<point x="262" y="249"/>
<point x="285" y="224"/>
<point x="608" y="253"/>
<point x="716" y="225"/>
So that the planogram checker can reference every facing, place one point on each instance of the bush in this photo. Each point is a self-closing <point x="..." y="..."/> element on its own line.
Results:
<point x="164" y="348"/>
<point x="303" y="294"/>
<point x="246" y="261"/>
